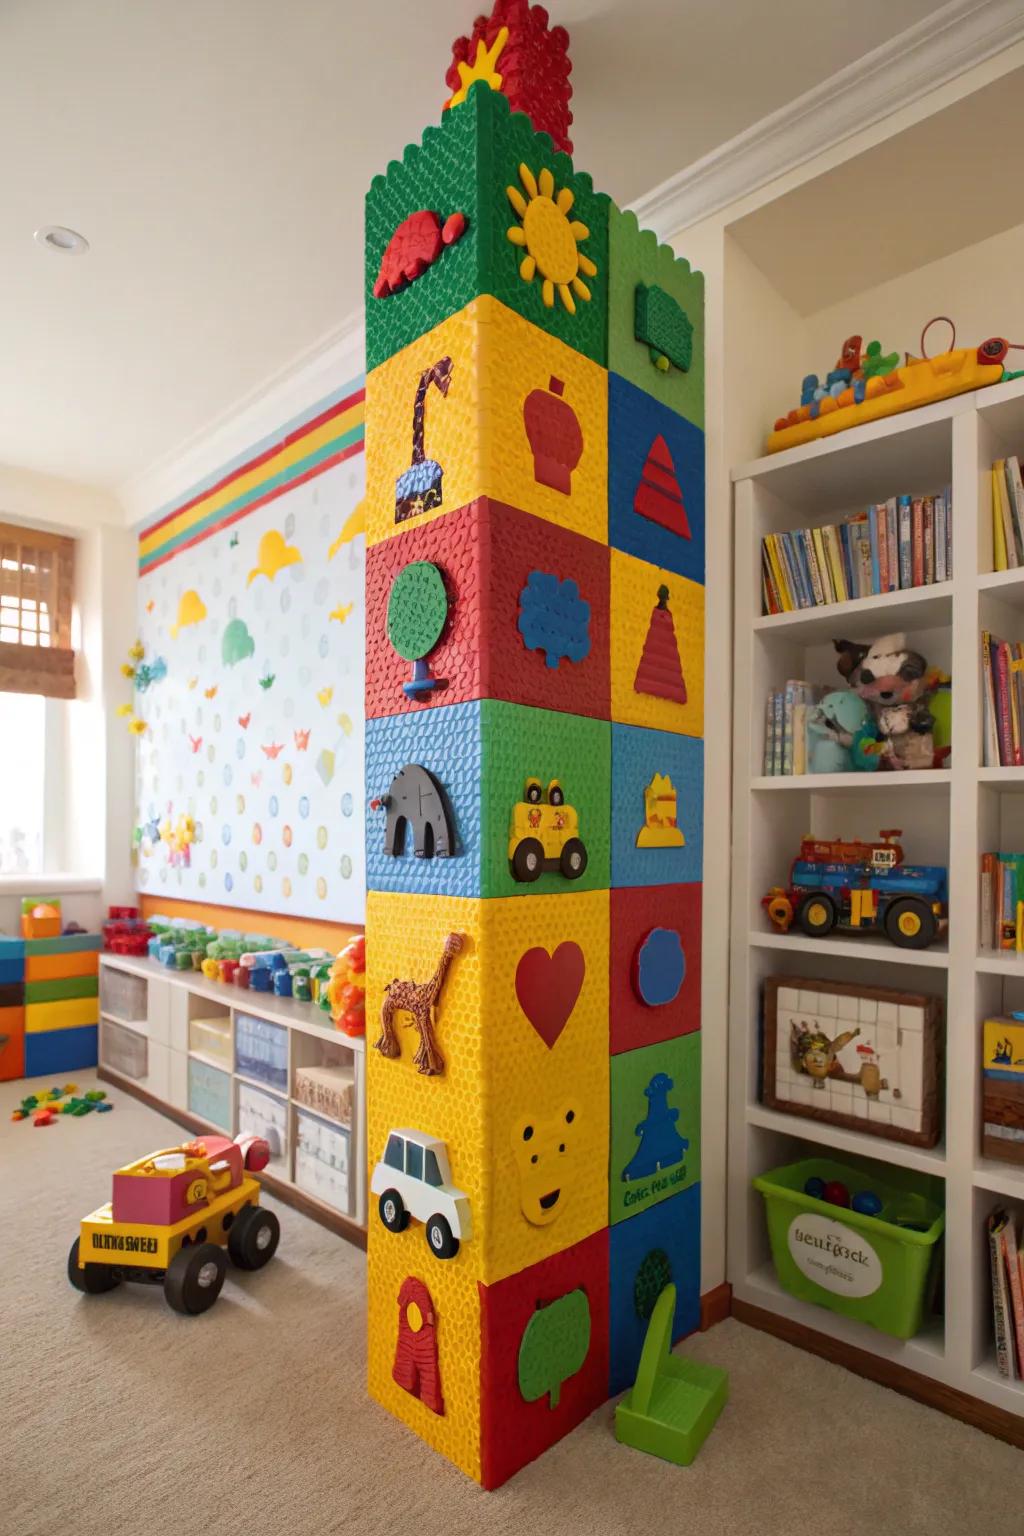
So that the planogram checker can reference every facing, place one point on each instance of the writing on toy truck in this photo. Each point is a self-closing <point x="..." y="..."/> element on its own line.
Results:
<point x="861" y="887"/>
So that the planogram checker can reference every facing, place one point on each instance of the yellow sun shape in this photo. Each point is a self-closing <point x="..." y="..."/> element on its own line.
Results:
<point x="551" y="239"/>
<point x="482" y="68"/>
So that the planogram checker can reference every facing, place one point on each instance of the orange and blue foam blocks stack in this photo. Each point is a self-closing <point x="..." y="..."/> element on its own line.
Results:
<point x="534" y="761"/>
<point x="49" y="998"/>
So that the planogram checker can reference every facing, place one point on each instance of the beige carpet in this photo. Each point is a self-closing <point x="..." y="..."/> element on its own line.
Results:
<point x="117" y="1416"/>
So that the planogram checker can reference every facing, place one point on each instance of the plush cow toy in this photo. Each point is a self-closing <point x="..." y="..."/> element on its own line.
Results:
<point x="895" y="683"/>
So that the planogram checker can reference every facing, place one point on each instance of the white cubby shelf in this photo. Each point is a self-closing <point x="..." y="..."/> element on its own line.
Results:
<point x="949" y="817"/>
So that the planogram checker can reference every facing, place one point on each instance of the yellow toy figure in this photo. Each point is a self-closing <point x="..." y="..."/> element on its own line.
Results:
<point x="815" y="1054"/>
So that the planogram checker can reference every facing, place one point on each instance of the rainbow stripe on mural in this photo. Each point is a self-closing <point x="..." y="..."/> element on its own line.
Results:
<point x="324" y="436"/>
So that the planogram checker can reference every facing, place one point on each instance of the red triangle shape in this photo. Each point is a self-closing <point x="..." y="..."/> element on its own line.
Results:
<point x="660" y="671"/>
<point x="658" y="495"/>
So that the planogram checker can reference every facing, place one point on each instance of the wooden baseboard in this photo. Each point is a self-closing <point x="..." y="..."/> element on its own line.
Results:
<point x="350" y="1230"/>
<point x="715" y="1306"/>
<point x="887" y="1373"/>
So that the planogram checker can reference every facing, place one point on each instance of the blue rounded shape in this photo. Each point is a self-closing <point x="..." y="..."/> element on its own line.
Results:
<point x="225" y="834"/>
<point x="815" y="1188"/>
<point x="304" y="806"/>
<point x="660" y="967"/>
<point x="867" y="1203"/>
<point x="228" y="882"/>
<point x="346" y="805"/>
<point x="272" y="807"/>
<point x="228" y="774"/>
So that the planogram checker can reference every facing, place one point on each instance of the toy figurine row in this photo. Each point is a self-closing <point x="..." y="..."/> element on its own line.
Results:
<point x="895" y="715"/>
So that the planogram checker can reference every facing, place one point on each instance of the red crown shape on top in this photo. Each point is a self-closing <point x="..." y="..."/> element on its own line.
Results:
<point x="534" y="65"/>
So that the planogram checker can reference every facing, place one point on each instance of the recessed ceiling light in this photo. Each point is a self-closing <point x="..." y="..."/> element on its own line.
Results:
<point x="56" y="237"/>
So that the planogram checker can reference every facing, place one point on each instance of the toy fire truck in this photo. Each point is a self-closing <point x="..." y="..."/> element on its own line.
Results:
<point x="172" y="1216"/>
<point x="861" y="888"/>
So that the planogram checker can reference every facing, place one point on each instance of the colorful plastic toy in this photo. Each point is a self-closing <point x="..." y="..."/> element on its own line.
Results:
<point x="544" y="838"/>
<point x="895" y="683"/>
<point x="674" y="1403"/>
<point x="836" y="1193"/>
<point x="413" y="1179"/>
<point x="841" y="736"/>
<point x="346" y="988"/>
<point x="174" y="1218"/>
<point x="867" y="1203"/>
<point x="861" y="888"/>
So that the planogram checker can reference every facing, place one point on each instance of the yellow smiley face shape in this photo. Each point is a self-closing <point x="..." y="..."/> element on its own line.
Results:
<point x="543" y="1150"/>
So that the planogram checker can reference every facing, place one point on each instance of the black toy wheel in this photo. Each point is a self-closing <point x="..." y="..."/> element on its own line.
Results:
<point x="392" y="1211"/>
<point x="910" y="923"/>
<point x="573" y="860"/>
<point x="441" y="1240"/>
<point x="253" y="1239"/>
<point x="194" y="1278"/>
<point x="528" y="860"/>
<point x="817" y="915"/>
<point x="533" y="792"/>
<point x="91" y="1279"/>
<point x="556" y="794"/>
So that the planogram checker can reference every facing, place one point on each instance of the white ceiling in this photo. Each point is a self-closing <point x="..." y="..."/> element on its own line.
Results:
<point x="216" y="152"/>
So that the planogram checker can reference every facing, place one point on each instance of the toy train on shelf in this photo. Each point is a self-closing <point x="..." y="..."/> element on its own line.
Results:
<point x="861" y="888"/>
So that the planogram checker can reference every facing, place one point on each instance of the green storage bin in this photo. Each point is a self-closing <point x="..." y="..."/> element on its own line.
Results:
<point x="870" y="1268"/>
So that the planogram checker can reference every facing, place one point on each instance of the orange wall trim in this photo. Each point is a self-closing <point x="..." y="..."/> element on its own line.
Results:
<point x="306" y="931"/>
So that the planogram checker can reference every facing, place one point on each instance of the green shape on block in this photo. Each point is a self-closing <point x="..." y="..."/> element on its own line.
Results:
<point x="465" y="166"/>
<point x="417" y="609"/>
<point x="665" y="326"/>
<point x="632" y="1073"/>
<point x="635" y="258"/>
<point x="554" y="1345"/>
<point x="674" y="1403"/>
<point x="61" y="988"/>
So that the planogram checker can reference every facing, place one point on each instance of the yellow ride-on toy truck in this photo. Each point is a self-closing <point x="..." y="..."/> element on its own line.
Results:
<point x="171" y="1218"/>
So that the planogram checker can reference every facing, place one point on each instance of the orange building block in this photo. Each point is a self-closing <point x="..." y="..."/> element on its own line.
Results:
<point x="85" y="962"/>
<point x="12" y="1044"/>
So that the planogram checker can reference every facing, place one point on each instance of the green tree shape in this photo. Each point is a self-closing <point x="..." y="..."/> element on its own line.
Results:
<point x="553" y="1347"/>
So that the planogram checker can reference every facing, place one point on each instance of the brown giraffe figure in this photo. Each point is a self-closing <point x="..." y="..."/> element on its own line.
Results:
<point x="418" y="488"/>
<point x="420" y="999"/>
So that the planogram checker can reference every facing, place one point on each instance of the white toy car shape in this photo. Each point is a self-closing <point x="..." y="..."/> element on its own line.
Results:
<point x="413" y="1179"/>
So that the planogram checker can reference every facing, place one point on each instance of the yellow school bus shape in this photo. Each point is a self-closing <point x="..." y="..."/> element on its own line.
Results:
<point x="544" y="835"/>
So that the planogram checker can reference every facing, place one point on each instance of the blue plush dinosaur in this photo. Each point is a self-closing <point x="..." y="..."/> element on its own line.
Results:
<point x="841" y="735"/>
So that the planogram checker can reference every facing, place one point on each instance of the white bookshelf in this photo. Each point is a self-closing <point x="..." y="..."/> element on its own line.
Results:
<point x="948" y="817"/>
<point x="175" y="1000"/>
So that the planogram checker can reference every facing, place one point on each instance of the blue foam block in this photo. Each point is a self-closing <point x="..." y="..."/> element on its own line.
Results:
<point x="12" y="969"/>
<point x="673" y="1227"/>
<point x="635" y="421"/>
<point x="60" y="1050"/>
<point x="637" y="755"/>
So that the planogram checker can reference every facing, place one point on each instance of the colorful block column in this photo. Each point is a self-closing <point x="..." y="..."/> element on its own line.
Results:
<point x="535" y="620"/>
<point x="49" y="1004"/>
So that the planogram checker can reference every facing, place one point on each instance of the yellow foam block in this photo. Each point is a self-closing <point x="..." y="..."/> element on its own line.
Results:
<point x="477" y="432"/>
<point x="634" y="598"/>
<point x="85" y="962"/>
<point x="67" y="1013"/>
<point x="501" y="1073"/>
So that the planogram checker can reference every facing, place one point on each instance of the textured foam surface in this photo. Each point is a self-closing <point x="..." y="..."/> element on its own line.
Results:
<point x="637" y="755"/>
<point x="464" y="165"/>
<point x="637" y="1152"/>
<point x="672" y="1229"/>
<point x="634" y="913"/>
<point x="477" y="432"/>
<point x="636" y="256"/>
<point x="635" y="423"/>
<point x="486" y="552"/>
<point x="634" y="598"/>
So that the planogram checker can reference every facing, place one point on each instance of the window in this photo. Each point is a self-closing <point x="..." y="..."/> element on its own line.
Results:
<point x="433" y="1172"/>
<point x="36" y="593"/>
<point x="22" y="784"/>
<point x="414" y="1160"/>
<point x="393" y="1152"/>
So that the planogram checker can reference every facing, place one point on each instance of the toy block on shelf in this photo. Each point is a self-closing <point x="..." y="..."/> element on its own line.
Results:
<point x="61" y="988"/>
<point x="40" y="919"/>
<point x="658" y="1246"/>
<point x="655" y="1124"/>
<point x="521" y="418"/>
<point x="510" y="780"/>
<point x="655" y="318"/>
<point x="655" y="481"/>
<point x="655" y="964"/>
<point x="60" y="967"/>
<point x="60" y="1050"/>
<point x="67" y="1013"/>
<point x="525" y="615"/>
<point x="657" y="788"/>
<point x="484" y="205"/>
<point x="657" y="647"/>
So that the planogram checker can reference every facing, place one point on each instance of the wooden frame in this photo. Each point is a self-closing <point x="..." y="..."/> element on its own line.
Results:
<point x="869" y="1086"/>
<point x="36" y="596"/>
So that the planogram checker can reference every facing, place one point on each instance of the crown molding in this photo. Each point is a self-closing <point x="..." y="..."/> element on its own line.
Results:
<point x="954" y="39"/>
<point x="309" y="376"/>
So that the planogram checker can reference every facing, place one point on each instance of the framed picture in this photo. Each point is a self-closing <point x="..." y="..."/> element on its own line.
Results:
<point x="868" y="1058"/>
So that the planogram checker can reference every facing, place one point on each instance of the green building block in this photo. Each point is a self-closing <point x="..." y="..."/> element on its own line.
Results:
<point x="465" y="165"/>
<point x="635" y="258"/>
<point x="60" y="988"/>
<point x="647" y="1161"/>
<point x="674" y="1403"/>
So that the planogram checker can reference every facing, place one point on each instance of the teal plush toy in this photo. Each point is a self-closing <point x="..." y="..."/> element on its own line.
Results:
<point x="842" y="737"/>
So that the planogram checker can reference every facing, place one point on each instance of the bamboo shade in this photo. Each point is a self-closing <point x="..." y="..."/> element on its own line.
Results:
<point x="36" y="589"/>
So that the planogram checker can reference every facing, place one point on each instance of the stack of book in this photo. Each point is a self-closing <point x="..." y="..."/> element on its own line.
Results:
<point x="1006" y="1265"/>
<point x="896" y="544"/>
<point x="785" y="733"/>
<point x="1002" y="901"/>
<point x="1002" y="693"/>
<point x="1007" y="515"/>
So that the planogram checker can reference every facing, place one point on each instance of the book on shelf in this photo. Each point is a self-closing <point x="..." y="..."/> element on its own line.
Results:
<point x="1005" y="1261"/>
<point x="1002" y="901"/>
<point x="1007" y="515"/>
<point x="1002" y="700"/>
<point x="889" y="547"/>
<point x="785" y="741"/>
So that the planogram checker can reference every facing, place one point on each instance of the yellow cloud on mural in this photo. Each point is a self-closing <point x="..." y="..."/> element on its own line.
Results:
<point x="272" y="556"/>
<point x="191" y="610"/>
<point x="355" y="523"/>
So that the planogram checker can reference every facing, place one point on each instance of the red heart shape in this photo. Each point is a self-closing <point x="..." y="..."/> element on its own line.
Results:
<point x="547" y="987"/>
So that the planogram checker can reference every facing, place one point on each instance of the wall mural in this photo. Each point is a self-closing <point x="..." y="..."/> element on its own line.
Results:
<point x="250" y="744"/>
